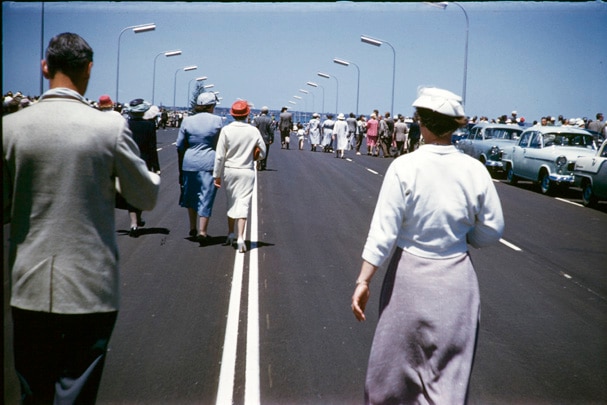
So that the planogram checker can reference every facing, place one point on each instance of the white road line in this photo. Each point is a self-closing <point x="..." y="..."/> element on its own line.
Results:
<point x="227" y="373"/>
<point x="225" y="390"/>
<point x="567" y="201"/>
<point x="252" y="394"/>
<point x="372" y="171"/>
<point x="510" y="245"/>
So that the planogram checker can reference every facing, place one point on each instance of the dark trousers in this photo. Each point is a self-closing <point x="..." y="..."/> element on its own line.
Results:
<point x="59" y="358"/>
<point x="284" y="133"/>
<point x="384" y="144"/>
<point x="261" y="165"/>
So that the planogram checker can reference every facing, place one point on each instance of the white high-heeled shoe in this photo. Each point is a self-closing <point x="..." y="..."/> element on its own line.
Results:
<point x="230" y="240"/>
<point x="242" y="247"/>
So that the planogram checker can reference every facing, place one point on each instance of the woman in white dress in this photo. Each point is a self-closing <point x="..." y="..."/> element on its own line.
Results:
<point x="425" y="340"/>
<point x="340" y="135"/>
<point x="239" y="145"/>
<point x="327" y="133"/>
<point x="314" y="131"/>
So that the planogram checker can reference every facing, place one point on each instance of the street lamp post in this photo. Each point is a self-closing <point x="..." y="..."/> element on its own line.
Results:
<point x="377" y="42"/>
<point x="326" y="76"/>
<point x="443" y="5"/>
<point x="294" y="103"/>
<point x="305" y="107"/>
<point x="348" y="63"/>
<point x="307" y="92"/>
<point x="137" y="29"/>
<point x="185" y="69"/>
<point x="167" y="54"/>
<point x="198" y="79"/>
<point x="312" y="84"/>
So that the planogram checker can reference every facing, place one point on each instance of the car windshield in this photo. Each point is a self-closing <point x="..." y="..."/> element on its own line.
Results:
<point x="503" y="133"/>
<point x="566" y="139"/>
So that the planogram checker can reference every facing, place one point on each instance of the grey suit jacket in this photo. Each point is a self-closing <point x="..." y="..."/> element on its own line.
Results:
<point x="60" y="161"/>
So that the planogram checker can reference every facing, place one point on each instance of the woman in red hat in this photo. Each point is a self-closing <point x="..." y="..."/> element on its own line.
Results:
<point x="239" y="145"/>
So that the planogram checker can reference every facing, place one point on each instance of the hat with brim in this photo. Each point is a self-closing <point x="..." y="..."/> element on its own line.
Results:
<point x="206" y="99"/>
<point x="105" y="101"/>
<point x="139" y="106"/>
<point x="440" y="101"/>
<point x="341" y="117"/>
<point x="151" y="113"/>
<point x="240" y="109"/>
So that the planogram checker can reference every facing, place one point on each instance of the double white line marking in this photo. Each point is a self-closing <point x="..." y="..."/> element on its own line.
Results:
<point x="228" y="361"/>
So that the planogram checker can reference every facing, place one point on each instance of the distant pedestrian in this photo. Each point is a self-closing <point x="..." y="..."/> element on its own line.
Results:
<point x="352" y="127"/>
<point x="400" y="135"/>
<point x="285" y="124"/>
<point x="300" y="135"/>
<point x="61" y="160"/>
<point x="597" y="125"/>
<point x="314" y="131"/>
<point x="372" y="133"/>
<point x="384" y="138"/>
<point x="164" y="118"/>
<point x="361" y="132"/>
<point x="414" y="133"/>
<point x="234" y="168"/>
<point x="196" y="144"/>
<point x="340" y="134"/>
<point x="265" y="125"/>
<point x="327" y="133"/>
<point x="426" y="336"/>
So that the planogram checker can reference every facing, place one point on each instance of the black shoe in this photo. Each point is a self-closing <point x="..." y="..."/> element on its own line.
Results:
<point x="134" y="232"/>
<point x="141" y="222"/>
<point x="193" y="232"/>
<point x="203" y="239"/>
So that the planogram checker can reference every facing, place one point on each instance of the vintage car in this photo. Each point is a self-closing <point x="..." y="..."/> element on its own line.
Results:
<point x="486" y="143"/>
<point x="591" y="175"/>
<point x="546" y="155"/>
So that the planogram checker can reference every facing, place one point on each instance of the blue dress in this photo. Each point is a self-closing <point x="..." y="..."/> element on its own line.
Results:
<point x="196" y="142"/>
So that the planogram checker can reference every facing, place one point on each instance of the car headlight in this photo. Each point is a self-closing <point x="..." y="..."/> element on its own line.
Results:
<point x="561" y="161"/>
<point x="494" y="151"/>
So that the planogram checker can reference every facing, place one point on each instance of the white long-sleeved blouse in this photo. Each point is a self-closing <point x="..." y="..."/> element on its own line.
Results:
<point x="432" y="203"/>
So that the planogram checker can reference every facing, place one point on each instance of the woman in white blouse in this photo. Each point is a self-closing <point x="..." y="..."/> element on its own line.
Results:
<point x="432" y="203"/>
<point x="239" y="145"/>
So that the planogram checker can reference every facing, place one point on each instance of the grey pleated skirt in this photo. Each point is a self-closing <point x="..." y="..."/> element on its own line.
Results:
<point x="425" y="340"/>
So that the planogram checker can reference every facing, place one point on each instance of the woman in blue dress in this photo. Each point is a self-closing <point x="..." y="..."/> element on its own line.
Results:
<point x="196" y="144"/>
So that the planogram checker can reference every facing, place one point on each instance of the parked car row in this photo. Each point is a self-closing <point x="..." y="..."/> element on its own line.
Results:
<point x="486" y="143"/>
<point x="553" y="157"/>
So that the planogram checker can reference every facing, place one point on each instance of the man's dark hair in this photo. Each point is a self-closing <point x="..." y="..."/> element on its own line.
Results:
<point x="439" y="124"/>
<point x="68" y="53"/>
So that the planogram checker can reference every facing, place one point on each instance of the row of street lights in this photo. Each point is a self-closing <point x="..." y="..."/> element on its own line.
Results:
<point x="137" y="29"/>
<point x="378" y="42"/>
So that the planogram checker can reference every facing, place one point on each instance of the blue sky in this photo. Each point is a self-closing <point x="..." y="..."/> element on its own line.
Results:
<point x="539" y="58"/>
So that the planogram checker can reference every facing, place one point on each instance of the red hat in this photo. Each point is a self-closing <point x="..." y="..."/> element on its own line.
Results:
<point x="240" y="109"/>
<point x="105" y="101"/>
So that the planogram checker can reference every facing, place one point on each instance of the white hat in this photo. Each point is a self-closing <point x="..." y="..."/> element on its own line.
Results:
<point x="206" y="98"/>
<point x="440" y="101"/>
<point x="341" y="117"/>
<point x="151" y="113"/>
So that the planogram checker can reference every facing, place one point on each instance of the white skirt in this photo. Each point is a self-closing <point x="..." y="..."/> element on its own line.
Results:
<point x="239" y="185"/>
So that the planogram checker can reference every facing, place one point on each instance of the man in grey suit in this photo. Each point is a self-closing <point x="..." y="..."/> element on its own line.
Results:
<point x="266" y="127"/>
<point x="285" y="124"/>
<point x="61" y="160"/>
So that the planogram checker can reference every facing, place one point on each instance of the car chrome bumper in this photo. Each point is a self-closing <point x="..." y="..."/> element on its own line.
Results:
<point x="562" y="178"/>
<point x="493" y="163"/>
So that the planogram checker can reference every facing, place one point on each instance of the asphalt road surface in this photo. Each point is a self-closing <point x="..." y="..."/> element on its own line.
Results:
<point x="206" y="325"/>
